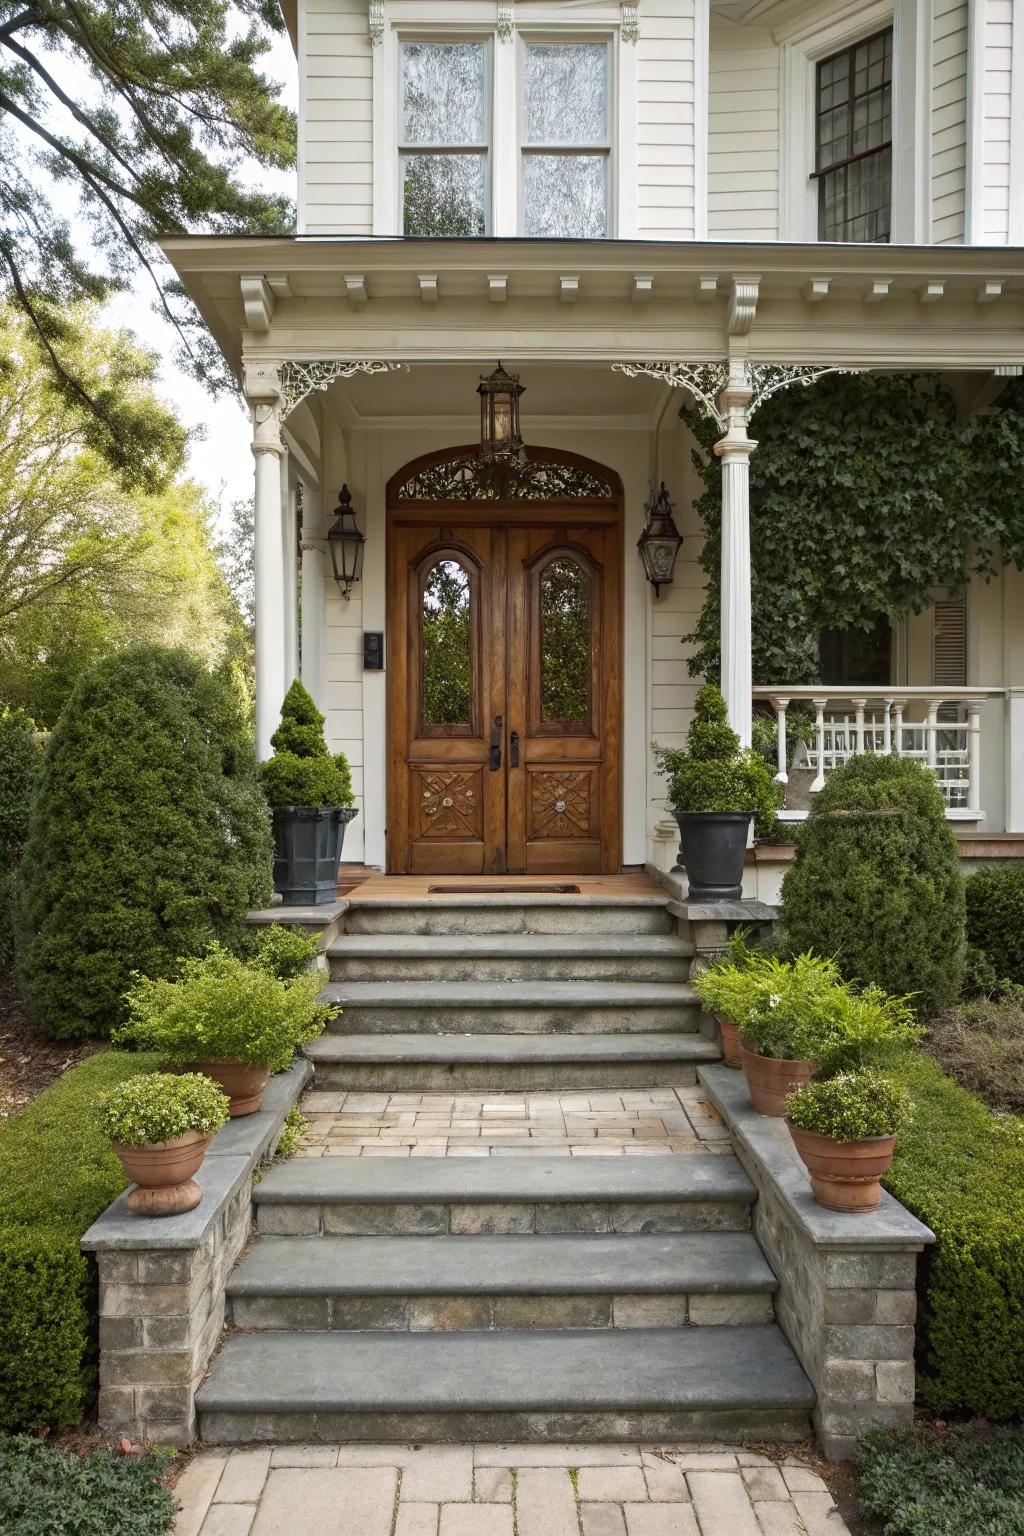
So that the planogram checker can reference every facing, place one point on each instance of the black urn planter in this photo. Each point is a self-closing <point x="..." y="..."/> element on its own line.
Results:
<point x="711" y="848"/>
<point x="307" y="851"/>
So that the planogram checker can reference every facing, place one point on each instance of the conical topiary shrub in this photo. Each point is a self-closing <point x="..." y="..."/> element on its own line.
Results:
<point x="310" y="792"/>
<point x="148" y="836"/>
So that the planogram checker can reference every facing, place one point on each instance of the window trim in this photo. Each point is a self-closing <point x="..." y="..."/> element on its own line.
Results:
<point x="606" y="148"/>
<point x="403" y="148"/>
<point x="819" y="172"/>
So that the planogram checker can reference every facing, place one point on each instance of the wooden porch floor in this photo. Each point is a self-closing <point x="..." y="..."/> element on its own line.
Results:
<point x="436" y="887"/>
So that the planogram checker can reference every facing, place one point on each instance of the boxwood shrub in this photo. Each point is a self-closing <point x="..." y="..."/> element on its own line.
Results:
<point x="58" y="1173"/>
<point x="960" y="1169"/>
<point x="995" y="918"/>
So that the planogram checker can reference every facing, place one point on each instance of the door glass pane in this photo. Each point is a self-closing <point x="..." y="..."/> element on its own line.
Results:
<point x="443" y="93"/>
<point x="447" y="645"/>
<point x="443" y="194"/>
<point x="566" y="90"/>
<point x="565" y="643"/>
<point x="565" y="195"/>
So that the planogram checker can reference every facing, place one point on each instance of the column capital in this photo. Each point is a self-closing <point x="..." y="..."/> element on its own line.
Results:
<point x="261" y="382"/>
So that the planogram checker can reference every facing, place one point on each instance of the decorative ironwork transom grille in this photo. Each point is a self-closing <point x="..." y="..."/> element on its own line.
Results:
<point x="464" y="477"/>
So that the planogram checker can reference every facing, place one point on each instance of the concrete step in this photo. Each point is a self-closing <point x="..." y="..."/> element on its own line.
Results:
<point x="511" y="1007"/>
<point x="414" y="1062"/>
<point x="416" y="1284"/>
<point x="510" y="957"/>
<point x="481" y="913"/>
<point x="730" y="1384"/>
<point x="438" y="1196"/>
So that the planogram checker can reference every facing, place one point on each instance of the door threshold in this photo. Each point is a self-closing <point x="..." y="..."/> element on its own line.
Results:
<point x="509" y="888"/>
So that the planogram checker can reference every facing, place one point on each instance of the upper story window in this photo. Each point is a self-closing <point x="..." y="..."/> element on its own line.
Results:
<point x="854" y="141"/>
<point x="565" y="139"/>
<point x="443" y="146"/>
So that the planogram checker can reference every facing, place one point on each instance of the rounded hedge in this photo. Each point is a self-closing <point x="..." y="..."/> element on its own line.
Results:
<point x="877" y="883"/>
<point x="995" y="918"/>
<point x="149" y="836"/>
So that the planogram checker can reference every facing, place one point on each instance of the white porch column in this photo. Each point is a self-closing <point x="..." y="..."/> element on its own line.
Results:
<point x="263" y="391"/>
<point x="314" y="574"/>
<point x="290" y="566"/>
<point x="734" y="450"/>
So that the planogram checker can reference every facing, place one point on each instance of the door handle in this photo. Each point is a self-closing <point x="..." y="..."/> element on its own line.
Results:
<point x="496" y="744"/>
<point x="513" y="750"/>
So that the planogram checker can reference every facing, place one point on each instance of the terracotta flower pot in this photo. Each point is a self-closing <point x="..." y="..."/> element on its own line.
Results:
<point x="844" y="1174"/>
<point x="730" y="1041"/>
<point x="771" y="1081"/>
<point x="243" y="1083"/>
<point x="163" y="1173"/>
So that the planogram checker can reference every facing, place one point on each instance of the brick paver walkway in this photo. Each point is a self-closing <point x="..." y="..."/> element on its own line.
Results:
<point x="503" y="1490"/>
<point x="650" y="1122"/>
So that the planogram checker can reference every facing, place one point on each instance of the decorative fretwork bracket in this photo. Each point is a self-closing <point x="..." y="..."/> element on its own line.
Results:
<point x="299" y="379"/>
<point x="629" y="29"/>
<point x="706" y="381"/>
<point x="375" y="22"/>
<point x="506" y="21"/>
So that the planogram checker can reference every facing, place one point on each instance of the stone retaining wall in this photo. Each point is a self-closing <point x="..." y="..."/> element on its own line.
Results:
<point x="847" y="1296"/>
<point x="162" y="1280"/>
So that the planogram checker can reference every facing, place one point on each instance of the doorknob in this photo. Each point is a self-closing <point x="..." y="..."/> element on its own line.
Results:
<point x="496" y="744"/>
<point x="513" y="750"/>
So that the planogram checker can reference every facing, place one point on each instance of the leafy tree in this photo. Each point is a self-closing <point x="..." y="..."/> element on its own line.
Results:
<point x="447" y="657"/>
<point x="865" y="494"/>
<point x="20" y="762"/>
<point x="168" y="103"/>
<point x="877" y="882"/>
<point x="88" y="564"/>
<point x="149" y="836"/>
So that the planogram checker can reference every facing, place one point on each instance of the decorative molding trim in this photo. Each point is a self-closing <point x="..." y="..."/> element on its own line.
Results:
<point x="299" y="379"/>
<point x="505" y="27"/>
<point x="742" y="305"/>
<point x="708" y="382"/>
<point x="375" y="22"/>
<point x="629" y="27"/>
<point x="258" y="301"/>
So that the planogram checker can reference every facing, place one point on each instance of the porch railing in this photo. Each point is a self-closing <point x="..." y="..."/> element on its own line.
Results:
<point x="940" y="727"/>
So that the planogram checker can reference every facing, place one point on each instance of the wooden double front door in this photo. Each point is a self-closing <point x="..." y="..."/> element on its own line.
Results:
<point x="504" y="649"/>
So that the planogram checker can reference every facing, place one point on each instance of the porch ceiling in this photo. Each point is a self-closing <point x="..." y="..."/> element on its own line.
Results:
<point x="606" y="301"/>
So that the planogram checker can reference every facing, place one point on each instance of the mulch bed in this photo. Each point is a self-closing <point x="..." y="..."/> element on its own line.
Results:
<point x="29" y="1062"/>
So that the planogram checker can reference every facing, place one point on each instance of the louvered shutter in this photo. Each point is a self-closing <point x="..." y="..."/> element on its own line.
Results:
<point x="949" y="649"/>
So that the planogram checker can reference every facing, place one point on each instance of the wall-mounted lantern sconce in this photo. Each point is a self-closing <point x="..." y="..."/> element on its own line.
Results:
<point x="346" y="544"/>
<point x="500" y="437"/>
<point x="660" y="541"/>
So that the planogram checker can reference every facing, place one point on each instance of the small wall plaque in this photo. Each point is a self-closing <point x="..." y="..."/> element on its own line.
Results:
<point x="373" y="650"/>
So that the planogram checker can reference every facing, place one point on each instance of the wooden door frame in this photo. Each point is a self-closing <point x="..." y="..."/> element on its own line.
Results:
<point x="557" y="512"/>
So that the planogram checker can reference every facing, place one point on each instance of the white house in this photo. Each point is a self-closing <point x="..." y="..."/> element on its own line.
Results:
<point x="620" y="202"/>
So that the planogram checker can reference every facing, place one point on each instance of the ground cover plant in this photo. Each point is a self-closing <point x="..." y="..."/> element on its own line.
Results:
<point x="966" y="1480"/>
<point x="980" y="1042"/>
<point x="877" y="883"/>
<point x="149" y="837"/>
<point x="995" y="918"/>
<point x="960" y="1169"/>
<point x="58" y="1173"/>
<point x="46" y="1491"/>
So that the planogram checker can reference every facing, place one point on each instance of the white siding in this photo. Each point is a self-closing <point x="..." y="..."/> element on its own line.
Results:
<point x="949" y="121"/>
<point x="743" y="133"/>
<point x="665" y="120"/>
<point x="337" y="127"/>
<point x="995" y="81"/>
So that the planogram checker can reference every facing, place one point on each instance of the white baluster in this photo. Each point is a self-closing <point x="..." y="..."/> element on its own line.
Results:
<point x="887" y="727"/>
<point x="898" y="706"/>
<point x="858" y="733"/>
<point x="819" y="738"/>
<point x="780" y="706"/>
<point x="974" y="756"/>
<point x="931" y="736"/>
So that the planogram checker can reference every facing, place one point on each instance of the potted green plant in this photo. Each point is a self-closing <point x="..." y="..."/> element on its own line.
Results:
<point x="161" y="1124"/>
<point x="845" y="1129"/>
<point x="720" y="987"/>
<point x="311" y="799"/>
<point x="715" y="789"/>
<point x="234" y="1021"/>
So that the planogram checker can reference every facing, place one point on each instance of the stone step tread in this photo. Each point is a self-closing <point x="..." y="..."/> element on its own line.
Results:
<point x="571" y="1370"/>
<point x="509" y="995"/>
<point x="502" y="946"/>
<point x="522" y="898"/>
<point x="512" y="1050"/>
<point x="504" y="1180"/>
<point x="706" y="1262"/>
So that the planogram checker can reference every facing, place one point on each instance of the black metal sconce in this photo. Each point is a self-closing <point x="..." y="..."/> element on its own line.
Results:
<point x="346" y="544"/>
<point x="660" y="542"/>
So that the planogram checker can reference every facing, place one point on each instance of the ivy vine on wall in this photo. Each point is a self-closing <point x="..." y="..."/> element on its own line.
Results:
<point x="866" y="492"/>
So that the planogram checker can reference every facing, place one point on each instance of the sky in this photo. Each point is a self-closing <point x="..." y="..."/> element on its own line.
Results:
<point x="219" y="454"/>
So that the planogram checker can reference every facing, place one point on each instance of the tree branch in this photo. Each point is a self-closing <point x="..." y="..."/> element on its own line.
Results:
<point x="69" y="380"/>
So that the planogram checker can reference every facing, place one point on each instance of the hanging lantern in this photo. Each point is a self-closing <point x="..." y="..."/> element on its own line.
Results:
<point x="346" y="544"/>
<point x="499" y="416"/>
<point x="660" y="541"/>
